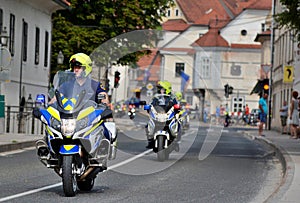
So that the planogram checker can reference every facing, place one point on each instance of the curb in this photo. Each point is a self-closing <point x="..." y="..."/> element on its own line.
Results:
<point x="284" y="159"/>
<point x="16" y="146"/>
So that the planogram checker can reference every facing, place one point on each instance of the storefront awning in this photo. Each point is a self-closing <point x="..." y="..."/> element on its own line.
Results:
<point x="259" y="86"/>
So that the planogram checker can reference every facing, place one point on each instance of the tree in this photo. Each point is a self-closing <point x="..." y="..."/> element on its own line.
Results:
<point x="290" y="16"/>
<point x="90" y="23"/>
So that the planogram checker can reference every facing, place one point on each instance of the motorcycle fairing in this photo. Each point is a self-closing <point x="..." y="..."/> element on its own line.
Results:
<point x="69" y="149"/>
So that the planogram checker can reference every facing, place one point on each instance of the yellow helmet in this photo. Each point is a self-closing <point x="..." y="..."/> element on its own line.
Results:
<point x="165" y="85"/>
<point x="178" y="96"/>
<point x="82" y="60"/>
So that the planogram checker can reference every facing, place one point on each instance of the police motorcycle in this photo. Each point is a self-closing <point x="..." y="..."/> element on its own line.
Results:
<point x="163" y="127"/>
<point x="77" y="143"/>
<point x="131" y="111"/>
<point x="184" y="116"/>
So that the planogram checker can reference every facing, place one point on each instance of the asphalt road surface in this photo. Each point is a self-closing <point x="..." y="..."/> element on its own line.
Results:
<point x="213" y="165"/>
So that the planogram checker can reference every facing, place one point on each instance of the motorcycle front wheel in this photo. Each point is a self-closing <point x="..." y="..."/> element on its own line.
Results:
<point x="68" y="177"/>
<point x="162" y="154"/>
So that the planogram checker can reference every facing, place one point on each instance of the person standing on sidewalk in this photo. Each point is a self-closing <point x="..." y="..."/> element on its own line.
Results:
<point x="294" y="115"/>
<point x="263" y="107"/>
<point x="283" y="117"/>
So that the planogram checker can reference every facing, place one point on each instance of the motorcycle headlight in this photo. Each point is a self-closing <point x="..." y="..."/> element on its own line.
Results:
<point x="81" y="124"/>
<point x="55" y="124"/>
<point x="132" y="110"/>
<point x="68" y="126"/>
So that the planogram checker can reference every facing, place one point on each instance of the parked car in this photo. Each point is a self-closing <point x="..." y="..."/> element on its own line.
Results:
<point x="253" y="118"/>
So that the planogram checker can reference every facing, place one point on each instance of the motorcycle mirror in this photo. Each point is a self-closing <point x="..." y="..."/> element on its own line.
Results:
<point x="143" y="103"/>
<point x="36" y="112"/>
<point x="51" y="93"/>
<point x="176" y="106"/>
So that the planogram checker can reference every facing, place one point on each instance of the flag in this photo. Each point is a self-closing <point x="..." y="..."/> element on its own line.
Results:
<point x="147" y="75"/>
<point x="185" y="79"/>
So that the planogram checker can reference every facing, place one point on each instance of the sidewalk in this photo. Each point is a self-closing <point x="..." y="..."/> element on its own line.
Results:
<point x="10" y="142"/>
<point x="287" y="149"/>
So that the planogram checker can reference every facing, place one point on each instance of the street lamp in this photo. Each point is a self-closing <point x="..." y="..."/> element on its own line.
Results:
<point x="60" y="58"/>
<point x="4" y="37"/>
<point x="3" y="42"/>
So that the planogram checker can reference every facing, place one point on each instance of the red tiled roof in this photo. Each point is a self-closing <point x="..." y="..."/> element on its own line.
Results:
<point x="261" y="5"/>
<point x="175" y="25"/>
<point x="211" y="39"/>
<point x="202" y="11"/>
<point x="246" y="46"/>
<point x="149" y="61"/>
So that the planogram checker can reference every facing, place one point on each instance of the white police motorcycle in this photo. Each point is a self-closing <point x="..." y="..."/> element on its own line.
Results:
<point x="164" y="128"/>
<point x="78" y="143"/>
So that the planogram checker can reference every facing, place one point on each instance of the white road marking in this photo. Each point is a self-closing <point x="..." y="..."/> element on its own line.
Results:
<point x="59" y="184"/>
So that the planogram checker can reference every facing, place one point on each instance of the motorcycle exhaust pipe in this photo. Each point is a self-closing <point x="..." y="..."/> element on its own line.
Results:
<point x="88" y="171"/>
<point x="94" y="173"/>
<point x="91" y="173"/>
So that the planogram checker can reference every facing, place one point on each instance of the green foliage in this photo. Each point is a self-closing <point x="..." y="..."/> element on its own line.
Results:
<point x="90" y="23"/>
<point x="290" y="16"/>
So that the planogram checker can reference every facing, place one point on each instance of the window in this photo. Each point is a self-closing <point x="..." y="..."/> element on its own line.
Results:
<point x="169" y="13"/>
<point x="176" y="12"/>
<point x="178" y="68"/>
<point x="12" y="34"/>
<point x="263" y="27"/>
<point x="1" y="20"/>
<point x="25" y="39"/>
<point x="238" y="104"/>
<point x="205" y="67"/>
<point x="46" y="49"/>
<point x="244" y="32"/>
<point x="37" y="46"/>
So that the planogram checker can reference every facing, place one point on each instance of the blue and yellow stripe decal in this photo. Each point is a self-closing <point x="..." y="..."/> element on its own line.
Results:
<point x="89" y="112"/>
<point x="171" y="115"/>
<point x="68" y="104"/>
<point x="87" y="133"/>
<point x="69" y="149"/>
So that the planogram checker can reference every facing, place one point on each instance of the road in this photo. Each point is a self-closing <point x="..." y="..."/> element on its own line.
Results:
<point x="233" y="169"/>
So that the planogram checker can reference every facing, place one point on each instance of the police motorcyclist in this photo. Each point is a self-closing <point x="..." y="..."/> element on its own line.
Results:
<point x="164" y="98"/>
<point x="81" y="65"/>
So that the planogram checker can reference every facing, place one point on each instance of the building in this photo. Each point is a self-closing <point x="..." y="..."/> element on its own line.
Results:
<point x="285" y="55"/>
<point x="213" y="41"/>
<point x="28" y="23"/>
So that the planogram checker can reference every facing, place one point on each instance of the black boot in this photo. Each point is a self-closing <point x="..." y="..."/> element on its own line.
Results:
<point x="150" y="144"/>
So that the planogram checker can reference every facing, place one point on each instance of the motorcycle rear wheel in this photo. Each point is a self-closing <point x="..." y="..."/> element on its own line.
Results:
<point x="86" y="185"/>
<point x="68" y="178"/>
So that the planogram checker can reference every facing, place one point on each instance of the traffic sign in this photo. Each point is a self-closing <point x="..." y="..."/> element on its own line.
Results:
<point x="288" y="74"/>
<point x="149" y="86"/>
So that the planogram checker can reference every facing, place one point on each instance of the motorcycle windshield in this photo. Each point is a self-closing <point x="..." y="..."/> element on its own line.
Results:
<point x="162" y="103"/>
<point x="72" y="92"/>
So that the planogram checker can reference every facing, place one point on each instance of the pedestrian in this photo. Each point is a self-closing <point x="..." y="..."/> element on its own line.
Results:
<point x="247" y="112"/>
<point x="294" y="115"/>
<point x="263" y="112"/>
<point x="218" y="113"/>
<point x="283" y="117"/>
